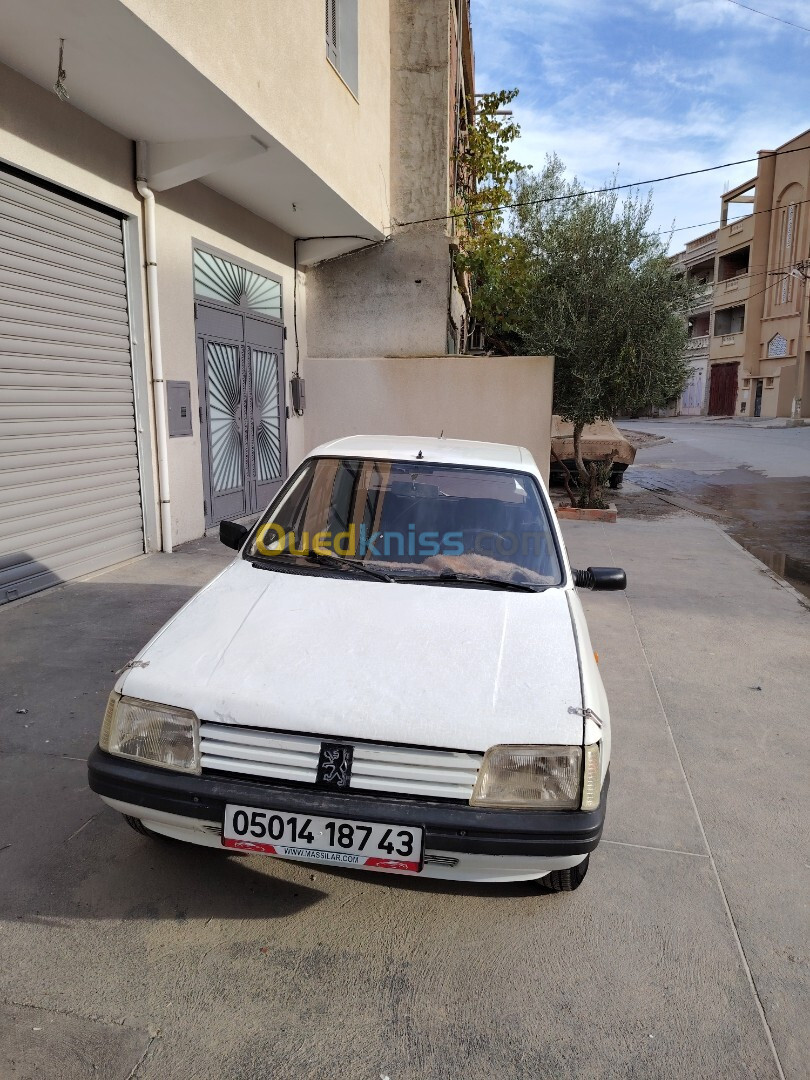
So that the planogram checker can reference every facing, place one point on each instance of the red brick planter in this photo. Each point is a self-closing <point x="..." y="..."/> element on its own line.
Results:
<point x="574" y="513"/>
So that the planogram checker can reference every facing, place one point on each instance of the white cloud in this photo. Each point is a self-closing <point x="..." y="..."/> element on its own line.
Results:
<point x="708" y="14"/>
<point x="649" y="88"/>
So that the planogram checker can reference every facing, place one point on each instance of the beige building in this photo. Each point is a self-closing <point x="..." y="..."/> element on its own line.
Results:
<point x="759" y="341"/>
<point x="206" y="266"/>
<point x="697" y="262"/>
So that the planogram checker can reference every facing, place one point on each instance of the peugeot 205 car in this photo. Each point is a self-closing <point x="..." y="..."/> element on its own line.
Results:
<point x="393" y="674"/>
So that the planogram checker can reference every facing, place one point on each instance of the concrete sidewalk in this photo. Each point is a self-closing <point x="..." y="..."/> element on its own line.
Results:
<point x="710" y="750"/>
<point x="684" y="953"/>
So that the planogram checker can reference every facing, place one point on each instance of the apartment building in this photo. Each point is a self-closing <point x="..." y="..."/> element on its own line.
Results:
<point x="759" y="339"/>
<point x="223" y="240"/>
<point x="697" y="262"/>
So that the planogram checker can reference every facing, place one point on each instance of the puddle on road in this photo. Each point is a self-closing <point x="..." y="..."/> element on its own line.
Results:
<point x="770" y="517"/>
<point x="795" y="571"/>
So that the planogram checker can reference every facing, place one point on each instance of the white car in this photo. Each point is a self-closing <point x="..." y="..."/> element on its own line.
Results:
<point x="394" y="674"/>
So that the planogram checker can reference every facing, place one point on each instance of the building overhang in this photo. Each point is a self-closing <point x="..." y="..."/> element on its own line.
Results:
<point x="123" y="74"/>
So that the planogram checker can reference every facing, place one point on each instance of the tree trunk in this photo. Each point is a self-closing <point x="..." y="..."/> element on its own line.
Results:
<point x="590" y="483"/>
<point x="572" y="495"/>
<point x="595" y="487"/>
<point x="582" y="471"/>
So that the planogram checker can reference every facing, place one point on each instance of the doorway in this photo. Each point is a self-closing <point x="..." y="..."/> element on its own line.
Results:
<point x="723" y="389"/>
<point x="240" y="366"/>
<point x="758" y="397"/>
<point x="240" y="370"/>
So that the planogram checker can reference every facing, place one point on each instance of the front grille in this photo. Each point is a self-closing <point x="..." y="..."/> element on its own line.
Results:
<point x="403" y="770"/>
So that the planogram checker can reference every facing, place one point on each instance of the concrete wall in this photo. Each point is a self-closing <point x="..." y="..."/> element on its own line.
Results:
<point x="785" y="387"/>
<point x="397" y="299"/>
<point x="496" y="399"/>
<point x="390" y="300"/>
<point x="269" y="56"/>
<point x="420" y="94"/>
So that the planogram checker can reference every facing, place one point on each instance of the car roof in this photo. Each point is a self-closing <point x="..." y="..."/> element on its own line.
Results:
<point x="429" y="448"/>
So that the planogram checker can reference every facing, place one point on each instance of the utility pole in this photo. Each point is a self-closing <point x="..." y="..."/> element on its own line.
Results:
<point x="800" y="271"/>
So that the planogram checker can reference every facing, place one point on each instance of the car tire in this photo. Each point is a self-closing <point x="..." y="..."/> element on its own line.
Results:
<point x="139" y="827"/>
<point x="564" y="880"/>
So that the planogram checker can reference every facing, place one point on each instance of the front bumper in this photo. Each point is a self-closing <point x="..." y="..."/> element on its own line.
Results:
<point x="449" y="827"/>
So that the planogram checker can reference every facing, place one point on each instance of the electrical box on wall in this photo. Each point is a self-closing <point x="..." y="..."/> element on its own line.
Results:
<point x="298" y="394"/>
<point x="178" y="404"/>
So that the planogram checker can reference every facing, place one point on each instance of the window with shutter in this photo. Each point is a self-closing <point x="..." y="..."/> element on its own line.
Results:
<point x="341" y="39"/>
<point x="331" y="31"/>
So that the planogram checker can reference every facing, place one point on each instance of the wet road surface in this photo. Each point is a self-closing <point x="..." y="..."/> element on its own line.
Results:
<point x="753" y="481"/>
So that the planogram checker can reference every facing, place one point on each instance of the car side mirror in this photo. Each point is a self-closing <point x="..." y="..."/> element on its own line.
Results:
<point x="600" y="578"/>
<point x="232" y="535"/>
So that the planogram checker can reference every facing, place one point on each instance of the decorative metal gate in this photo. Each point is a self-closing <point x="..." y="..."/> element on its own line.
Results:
<point x="240" y="360"/>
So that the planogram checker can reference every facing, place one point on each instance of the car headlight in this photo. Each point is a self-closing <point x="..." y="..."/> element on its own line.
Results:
<point x="515" y="777"/>
<point x="154" y="734"/>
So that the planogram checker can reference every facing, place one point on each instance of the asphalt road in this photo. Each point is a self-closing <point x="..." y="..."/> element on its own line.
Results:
<point x="684" y="953"/>
<point x="751" y="479"/>
<point x="713" y="446"/>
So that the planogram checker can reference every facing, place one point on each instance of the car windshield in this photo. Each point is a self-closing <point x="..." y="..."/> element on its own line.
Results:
<point x="412" y="521"/>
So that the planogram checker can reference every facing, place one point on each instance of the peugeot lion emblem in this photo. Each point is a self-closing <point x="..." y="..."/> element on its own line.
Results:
<point x="335" y="765"/>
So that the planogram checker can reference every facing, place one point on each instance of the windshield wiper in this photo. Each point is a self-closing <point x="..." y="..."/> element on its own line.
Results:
<point x="324" y="558"/>
<point x="474" y="579"/>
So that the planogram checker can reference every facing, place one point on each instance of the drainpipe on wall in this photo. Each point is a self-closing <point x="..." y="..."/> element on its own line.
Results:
<point x="158" y="382"/>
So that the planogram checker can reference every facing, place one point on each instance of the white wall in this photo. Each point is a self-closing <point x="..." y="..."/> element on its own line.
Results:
<point x="269" y="57"/>
<point x="57" y="142"/>
<point x="185" y="215"/>
<point x="496" y="399"/>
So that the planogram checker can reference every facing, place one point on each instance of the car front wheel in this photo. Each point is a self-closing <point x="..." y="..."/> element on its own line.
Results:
<point x="564" y="880"/>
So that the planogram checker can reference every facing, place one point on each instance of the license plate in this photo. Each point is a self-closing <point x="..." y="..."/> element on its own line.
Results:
<point x="326" y="840"/>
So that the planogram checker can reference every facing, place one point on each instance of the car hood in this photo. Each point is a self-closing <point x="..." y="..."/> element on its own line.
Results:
<point x="446" y="666"/>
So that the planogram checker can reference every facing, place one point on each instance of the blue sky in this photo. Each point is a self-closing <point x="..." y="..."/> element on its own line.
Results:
<point x="650" y="87"/>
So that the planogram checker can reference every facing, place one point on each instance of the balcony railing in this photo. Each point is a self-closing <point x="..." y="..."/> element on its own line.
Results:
<point x="700" y="341"/>
<point x="703" y="297"/>
<point x="735" y="234"/>
<point x="735" y="288"/>
<point x="726" y="345"/>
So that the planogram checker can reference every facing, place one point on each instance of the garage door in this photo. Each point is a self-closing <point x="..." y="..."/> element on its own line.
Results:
<point x="70" y="499"/>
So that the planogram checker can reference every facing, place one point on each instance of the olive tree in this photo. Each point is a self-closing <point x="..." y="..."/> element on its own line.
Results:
<point x="602" y="297"/>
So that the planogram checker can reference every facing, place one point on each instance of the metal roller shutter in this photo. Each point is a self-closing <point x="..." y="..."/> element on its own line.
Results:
<point x="70" y="497"/>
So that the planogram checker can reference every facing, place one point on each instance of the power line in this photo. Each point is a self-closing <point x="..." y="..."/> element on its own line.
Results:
<point x="716" y="221"/>
<point x="781" y="271"/>
<point x="750" y="277"/>
<point x="593" y="191"/>
<point x="775" y="18"/>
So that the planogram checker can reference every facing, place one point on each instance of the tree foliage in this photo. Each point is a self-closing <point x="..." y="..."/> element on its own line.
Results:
<point x="484" y="262"/>
<point x="598" y="292"/>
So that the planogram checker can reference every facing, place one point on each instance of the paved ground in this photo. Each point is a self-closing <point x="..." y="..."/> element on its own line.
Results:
<point x="752" y="479"/>
<point x="701" y="444"/>
<point x="684" y="954"/>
